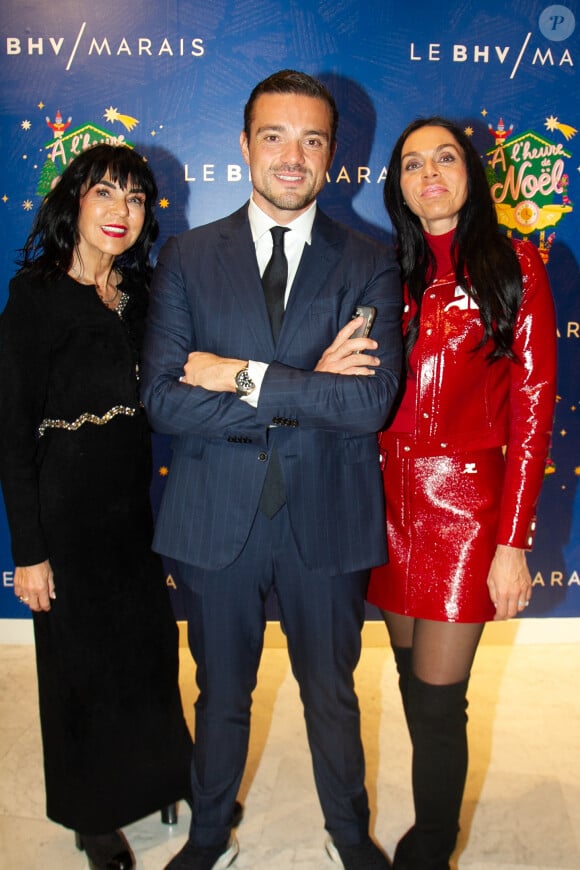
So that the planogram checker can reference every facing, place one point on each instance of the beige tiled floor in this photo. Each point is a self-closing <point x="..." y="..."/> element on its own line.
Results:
<point x="522" y="803"/>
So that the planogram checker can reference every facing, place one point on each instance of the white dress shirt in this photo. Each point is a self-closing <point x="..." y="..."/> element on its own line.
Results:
<point x="299" y="234"/>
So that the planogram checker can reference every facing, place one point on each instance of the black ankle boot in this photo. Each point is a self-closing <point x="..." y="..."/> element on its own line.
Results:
<point x="106" y="851"/>
<point x="437" y="722"/>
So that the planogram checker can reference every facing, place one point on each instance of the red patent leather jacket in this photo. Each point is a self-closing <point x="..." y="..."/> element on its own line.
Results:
<point x="465" y="403"/>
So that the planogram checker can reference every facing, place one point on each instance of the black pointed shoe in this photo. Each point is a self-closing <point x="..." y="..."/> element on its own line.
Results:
<point x="361" y="856"/>
<point x="106" y="851"/>
<point x="194" y="857"/>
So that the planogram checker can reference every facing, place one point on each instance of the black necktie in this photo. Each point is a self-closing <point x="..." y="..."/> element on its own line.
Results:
<point x="274" y="280"/>
<point x="274" y="283"/>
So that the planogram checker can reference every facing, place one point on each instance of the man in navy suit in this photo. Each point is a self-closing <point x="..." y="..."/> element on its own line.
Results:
<point x="275" y="480"/>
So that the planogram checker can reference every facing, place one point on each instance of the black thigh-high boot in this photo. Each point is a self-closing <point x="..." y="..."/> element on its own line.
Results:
<point x="437" y="722"/>
<point x="403" y="656"/>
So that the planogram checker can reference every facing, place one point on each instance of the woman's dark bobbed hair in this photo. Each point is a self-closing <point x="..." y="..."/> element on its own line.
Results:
<point x="50" y="246"/>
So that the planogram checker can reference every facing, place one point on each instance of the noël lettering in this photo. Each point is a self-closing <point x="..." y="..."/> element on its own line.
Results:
<point x="528" y="184"/>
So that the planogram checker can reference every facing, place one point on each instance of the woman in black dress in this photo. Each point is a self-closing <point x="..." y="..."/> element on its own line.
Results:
<point x="75" y="468"/>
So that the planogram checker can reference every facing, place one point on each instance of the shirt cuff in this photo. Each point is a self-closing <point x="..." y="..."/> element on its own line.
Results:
<point x="256" y="371"/>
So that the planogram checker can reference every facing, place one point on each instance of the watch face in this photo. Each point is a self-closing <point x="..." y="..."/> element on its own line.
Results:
<point x="244" y="383"/>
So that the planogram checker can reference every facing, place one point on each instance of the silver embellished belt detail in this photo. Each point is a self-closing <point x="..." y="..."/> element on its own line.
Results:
<point x="47" y="423"/>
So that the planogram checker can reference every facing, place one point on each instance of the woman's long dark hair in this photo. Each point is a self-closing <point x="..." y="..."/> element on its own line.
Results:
<point x="49" y="249"/>
<point x="480" y="250"/>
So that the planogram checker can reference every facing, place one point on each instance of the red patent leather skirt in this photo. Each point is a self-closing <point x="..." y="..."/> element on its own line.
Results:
<point x="442" y="520"/>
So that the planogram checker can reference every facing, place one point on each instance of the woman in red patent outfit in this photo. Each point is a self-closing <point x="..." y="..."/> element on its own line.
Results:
<point x="464" y="454"/>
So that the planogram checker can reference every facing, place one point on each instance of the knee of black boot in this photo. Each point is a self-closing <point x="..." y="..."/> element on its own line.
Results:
<point x="435" y="706"/>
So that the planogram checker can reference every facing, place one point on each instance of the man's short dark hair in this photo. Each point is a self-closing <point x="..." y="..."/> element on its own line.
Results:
<point x="290" y="81"/>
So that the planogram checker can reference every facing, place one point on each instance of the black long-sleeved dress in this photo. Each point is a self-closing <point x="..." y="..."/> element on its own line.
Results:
<point x="75" y="464"/>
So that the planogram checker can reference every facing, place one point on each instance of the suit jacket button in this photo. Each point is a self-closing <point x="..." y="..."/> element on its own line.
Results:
<point x="262" y="456"/>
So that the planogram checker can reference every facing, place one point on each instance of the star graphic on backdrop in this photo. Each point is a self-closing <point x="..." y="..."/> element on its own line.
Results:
<point x="41" y="105"/>
<point x="27" y="205"/>
<point x="26" y="125"/>
<point x="484" y="112"/>
<point x="567" y="130"/>
<point x="163" y="471"/>
<point x="4" y="198"/>
<point x="112" y="114"/>
<point x="468" y="131"/>
<point x="164" y="202"/>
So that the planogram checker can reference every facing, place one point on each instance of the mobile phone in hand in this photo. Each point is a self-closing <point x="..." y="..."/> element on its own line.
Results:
<point x="369" y="313"/>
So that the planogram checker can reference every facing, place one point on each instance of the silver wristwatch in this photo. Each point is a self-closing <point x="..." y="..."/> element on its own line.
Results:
<point x="244" y="383"/>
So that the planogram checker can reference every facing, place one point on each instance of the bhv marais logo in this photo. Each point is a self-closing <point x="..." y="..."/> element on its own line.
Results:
<point x="87" y="42"/>
<point x="555" y="24"/>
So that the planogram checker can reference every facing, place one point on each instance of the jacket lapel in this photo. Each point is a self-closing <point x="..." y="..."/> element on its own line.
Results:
<point x="240" y="268"/>
<point x="317" y="262"/>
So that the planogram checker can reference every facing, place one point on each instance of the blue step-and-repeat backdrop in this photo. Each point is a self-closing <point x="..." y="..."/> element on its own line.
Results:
<point x="171" y="78"/>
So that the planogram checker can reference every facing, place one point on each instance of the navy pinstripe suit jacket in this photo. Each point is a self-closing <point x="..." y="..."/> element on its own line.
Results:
<point x="207" y="295"/>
